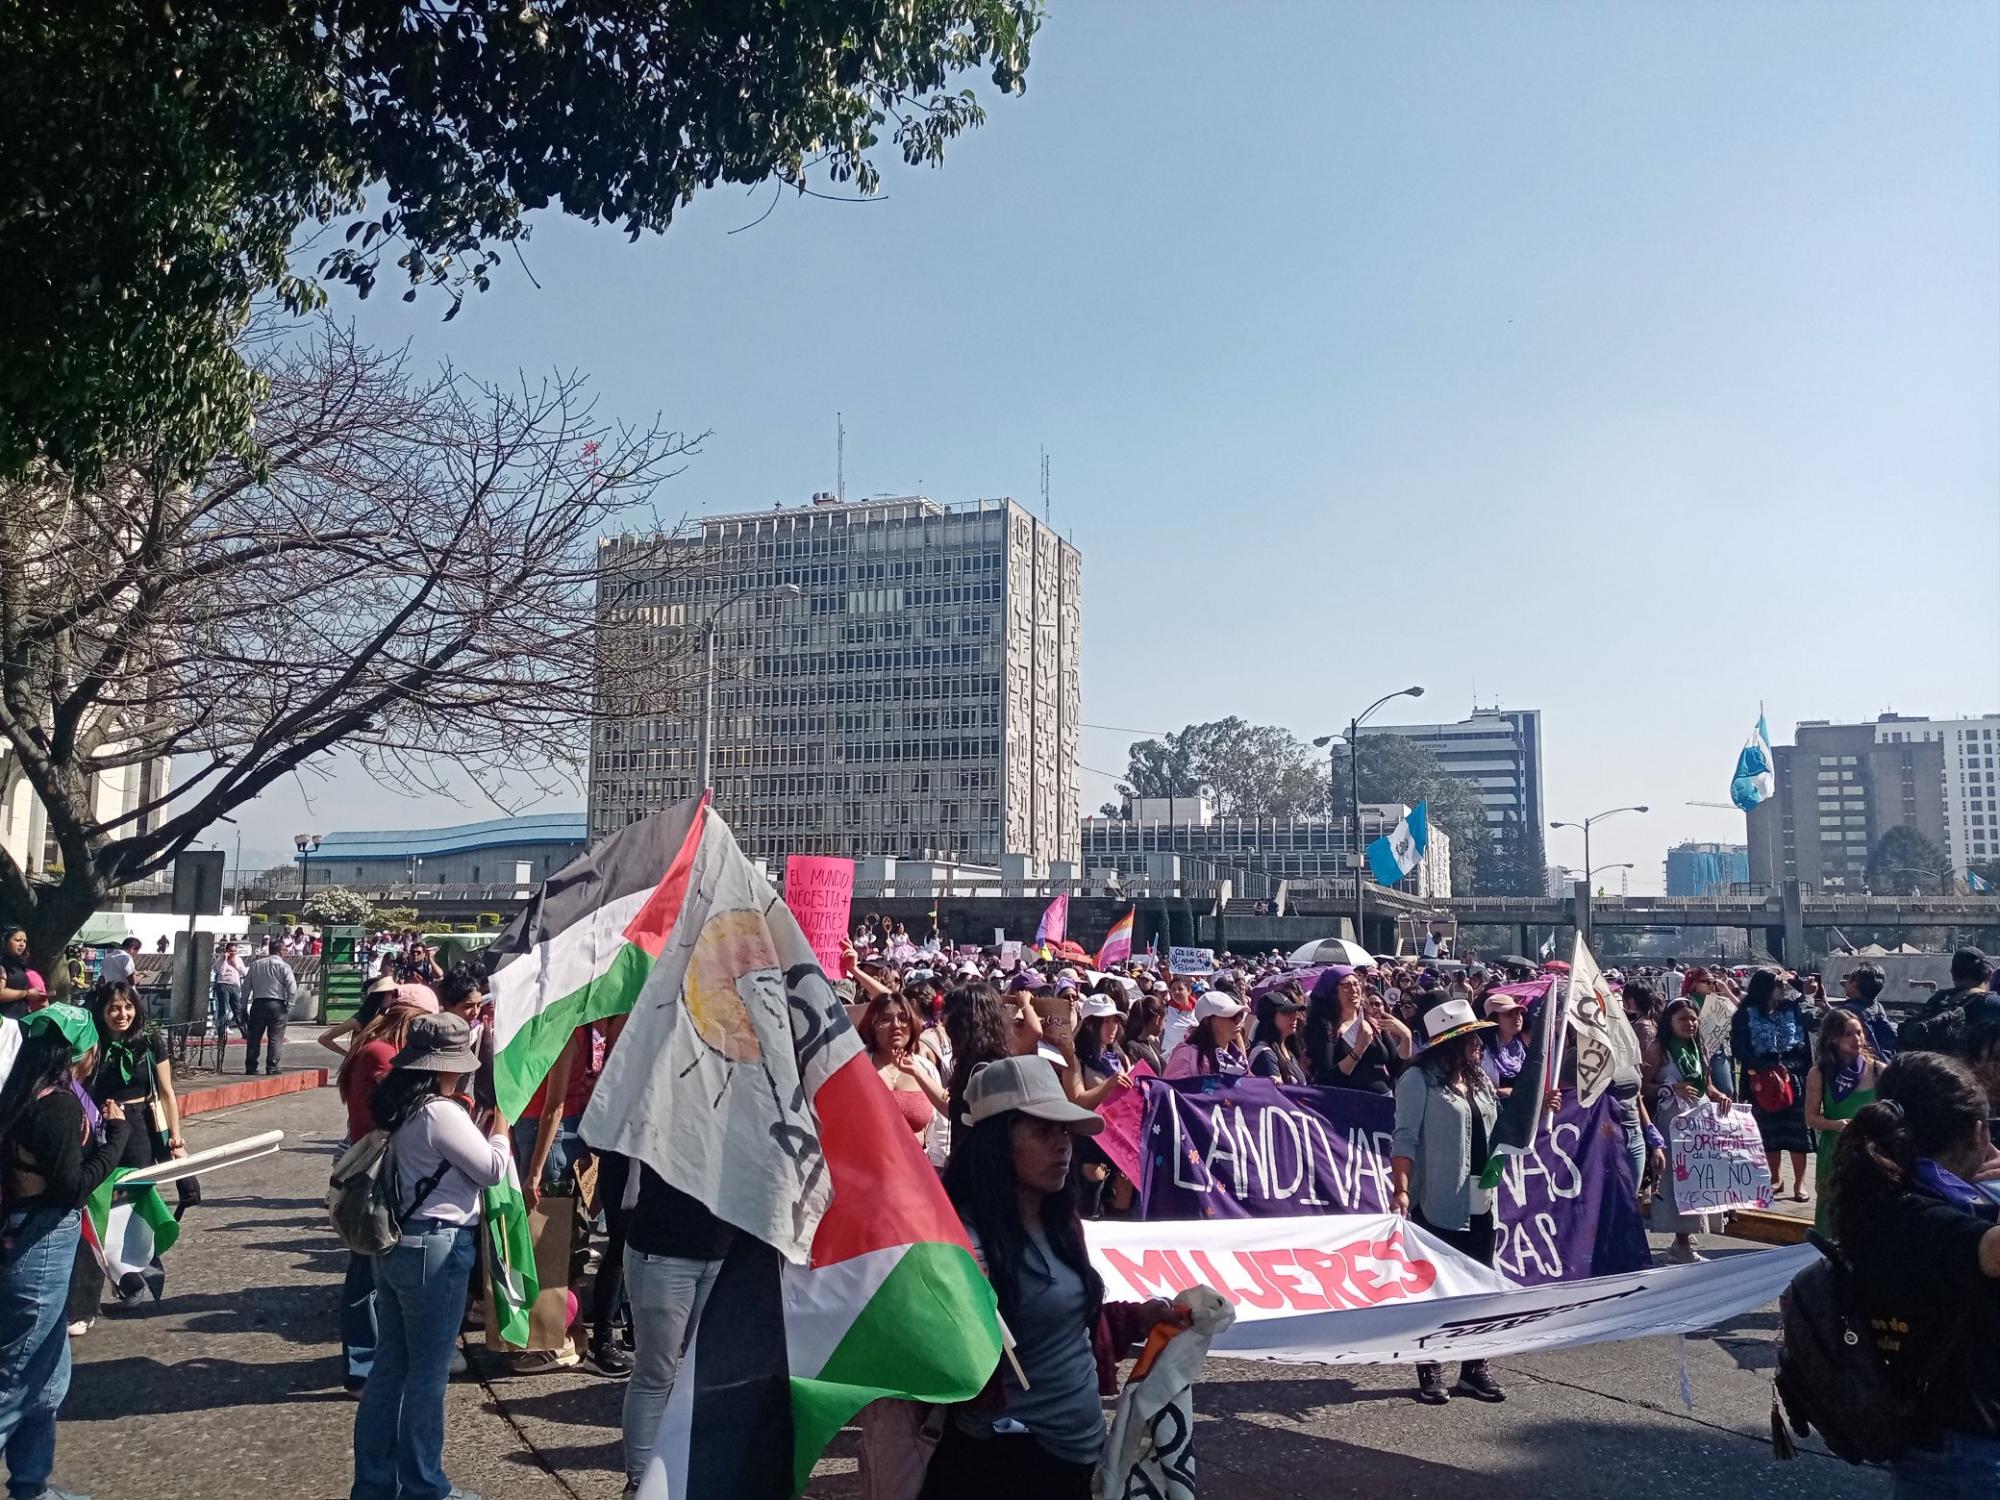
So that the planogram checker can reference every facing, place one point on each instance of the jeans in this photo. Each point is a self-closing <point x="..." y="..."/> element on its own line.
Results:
<point x="358" y="1332"/>
<point x="225" y="1007"/>
<point x="419" y="1300"/>
<point x="266" y="1024"/>
<point x="38" y="1251"/>
<point x="666" y="1293"/>
<point x="564" y="1151"/>
<point x="1967" y="1467"/>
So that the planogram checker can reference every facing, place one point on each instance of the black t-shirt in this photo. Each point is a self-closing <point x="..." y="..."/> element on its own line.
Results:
<point x="1918" y="1265"/>
<point x="125" y="1069"/>
<point x="664" y="1220"/>
<point x="1375" y="1071"/>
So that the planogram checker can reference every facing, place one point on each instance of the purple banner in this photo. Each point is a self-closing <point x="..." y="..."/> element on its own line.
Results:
<point x="1251" y="1148"/>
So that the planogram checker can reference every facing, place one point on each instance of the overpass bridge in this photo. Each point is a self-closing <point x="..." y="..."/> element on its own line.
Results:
<point x="972" y="908"/>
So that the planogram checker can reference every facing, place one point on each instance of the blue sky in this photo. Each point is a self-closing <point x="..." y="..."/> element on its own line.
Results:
<point x="1633" y="362"/>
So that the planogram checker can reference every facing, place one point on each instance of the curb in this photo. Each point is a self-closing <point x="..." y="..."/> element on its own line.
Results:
<point x="250" y="1091"/>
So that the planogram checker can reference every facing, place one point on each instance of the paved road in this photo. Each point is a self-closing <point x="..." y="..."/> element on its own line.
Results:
<point x="232" y="1386"/>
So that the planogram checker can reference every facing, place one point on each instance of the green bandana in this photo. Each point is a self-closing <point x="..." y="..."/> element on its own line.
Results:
<point x="73" y="1021"/>
<point x="1687" y="1057"/>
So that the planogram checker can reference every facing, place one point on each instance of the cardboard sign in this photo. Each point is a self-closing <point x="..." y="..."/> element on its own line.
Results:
<point x="820" y="892"/>
<point x="1716" y="1159"/>
<point x="1191" y="960"/>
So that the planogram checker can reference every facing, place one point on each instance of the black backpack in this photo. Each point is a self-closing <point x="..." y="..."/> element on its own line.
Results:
<point x="1830" y="1376"/>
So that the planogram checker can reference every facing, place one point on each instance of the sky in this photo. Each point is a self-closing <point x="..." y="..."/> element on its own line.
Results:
<point x="1637" y="363"/>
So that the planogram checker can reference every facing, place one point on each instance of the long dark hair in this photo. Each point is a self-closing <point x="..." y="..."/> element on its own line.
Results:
<point x="43" y="1060"/>
<point x="1926" y="1103"/>
<point x="401" y="1094"/>
<point x="975" y="1024"/>
<point x="981" y="1184"/>
<point x="7" y="959"/>
<point x="1831" y="1027"/>
<point x="1268" y="1034"/>
<point x="1761" y="992"/>
<point x="1456" y="1065"/>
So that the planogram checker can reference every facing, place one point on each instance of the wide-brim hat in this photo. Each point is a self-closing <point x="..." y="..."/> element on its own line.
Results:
<point x="1027" y="1085"/>
<point x="438" y="1044"/>
<point x="1454" y="1018"/>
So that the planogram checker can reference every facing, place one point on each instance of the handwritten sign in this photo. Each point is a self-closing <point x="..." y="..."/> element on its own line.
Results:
<point x="1191" y="960"/>
<point x="1010" y="954"/>
<point x="820" y="892"/>
<point x="1717" y="1161"/>
<point x="1717" y="1016"/>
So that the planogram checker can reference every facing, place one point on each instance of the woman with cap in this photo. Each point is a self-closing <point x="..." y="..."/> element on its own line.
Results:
<point x="441" y="1161"/>
<point x="1214" y="1048"/>
<point x="48" y="1169"/>
<point x="1445" y="1111"/>
<point x="1918" y="1232"/>
<point x="1682" y="1080"/>
<point x="367" y="1063"/>
<point x="1352" y="1041"/>
<point x="1274" y="1049"/>
<point x="1773" y="1045"/>
<point x="1506" y="1049"/>
<point x="1009" y="1179"/>
<point x="380" y="993"/>
<point x="1100" y="1056"/>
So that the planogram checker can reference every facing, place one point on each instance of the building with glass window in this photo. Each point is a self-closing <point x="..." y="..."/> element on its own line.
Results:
<point x="1695" y="869"/>
<point x="893" y="677"/>
<point x="1498" y="750"/>
<point x="1840" y="787"/>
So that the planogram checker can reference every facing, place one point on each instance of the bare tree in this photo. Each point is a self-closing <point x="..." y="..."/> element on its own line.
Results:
<point x="414" y="571"/>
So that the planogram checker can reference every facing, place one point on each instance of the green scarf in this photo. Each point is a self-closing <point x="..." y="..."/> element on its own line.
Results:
<point x="1687" y="1057"/>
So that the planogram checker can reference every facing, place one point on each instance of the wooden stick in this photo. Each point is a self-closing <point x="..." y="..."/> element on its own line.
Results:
<point x="1007" y="1348"/>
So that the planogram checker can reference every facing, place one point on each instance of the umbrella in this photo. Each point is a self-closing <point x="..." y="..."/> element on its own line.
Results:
<point x="1075" y="952"/>
<point x="1515" y="961"/>
<point x="1305" y="978"/>
<point x="1331" y="951"/>
<point x="1556" y="966"/>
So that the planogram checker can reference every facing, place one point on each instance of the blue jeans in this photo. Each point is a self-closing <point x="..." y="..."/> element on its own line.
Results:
<point x="358" y="1331"/>
<point x="419" y="1300"/>
<point x="36" y="1256"/>
<point x="1965" y="1468"/>
<point x="666" y="1293"/>
<point x="563" y="1150"/>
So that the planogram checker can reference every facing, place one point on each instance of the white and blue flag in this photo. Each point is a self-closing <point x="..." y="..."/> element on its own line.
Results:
<point x="1977" y="886"/>
<point x="1393" y="856"/>
<point x="1755" y="777"/>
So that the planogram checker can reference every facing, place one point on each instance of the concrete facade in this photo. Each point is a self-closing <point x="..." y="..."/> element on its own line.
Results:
<point x="1839" y="789"/>
<point x="1287" y="848"/>
<point x="1498" y="750"/>
<point x="920" y="698"/>
<point x="467" y="854"/>
<point x="1695" y="869"/>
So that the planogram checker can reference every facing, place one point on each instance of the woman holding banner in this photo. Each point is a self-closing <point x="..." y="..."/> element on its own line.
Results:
<point x="1445" y="1111"/>
<point x="1683" y="1080"/>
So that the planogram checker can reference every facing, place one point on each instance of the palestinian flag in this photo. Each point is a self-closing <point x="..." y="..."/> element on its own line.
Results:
<point x="583" y="947"/>
<point x="511" y="1261"/>
<point x="739" y="1081"/>
<point x="128" y="1230"/>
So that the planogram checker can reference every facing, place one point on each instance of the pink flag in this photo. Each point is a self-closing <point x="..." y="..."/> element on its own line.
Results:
<point x="1055" y="922"/>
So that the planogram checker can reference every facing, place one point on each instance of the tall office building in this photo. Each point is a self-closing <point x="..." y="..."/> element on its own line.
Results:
<point x="1840" y="787"/>
<point x="893" y="677"/>
<point x="1706" y="869"/>
<point x="1971" y="794"/>
<point x="1498" y="750"/>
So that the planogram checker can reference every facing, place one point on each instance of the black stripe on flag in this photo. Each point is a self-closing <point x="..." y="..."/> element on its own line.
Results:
<point x="740" y="1433"/>
<point x="632" y="859"/>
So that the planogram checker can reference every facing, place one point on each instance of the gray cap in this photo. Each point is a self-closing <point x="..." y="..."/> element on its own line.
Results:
<point x="1029" y="1085"/>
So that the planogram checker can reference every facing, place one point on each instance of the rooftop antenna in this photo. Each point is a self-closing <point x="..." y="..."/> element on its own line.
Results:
<point x="1045" y="484"/>
<point x="840" y="458"/>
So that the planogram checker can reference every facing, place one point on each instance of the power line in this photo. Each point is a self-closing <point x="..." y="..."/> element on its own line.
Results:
<point x="1127" y="729"/>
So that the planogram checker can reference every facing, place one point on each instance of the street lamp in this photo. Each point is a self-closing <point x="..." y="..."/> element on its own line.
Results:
<point x="1585" y="826"/>
<point x="783" y="591"/>
<point x="306" y="844"/>
<point x="1354" y="858"/>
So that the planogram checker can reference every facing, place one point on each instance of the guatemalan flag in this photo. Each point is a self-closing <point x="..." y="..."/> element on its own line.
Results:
<point x="1755" y="779"/>
<point x="1391" y="858"/>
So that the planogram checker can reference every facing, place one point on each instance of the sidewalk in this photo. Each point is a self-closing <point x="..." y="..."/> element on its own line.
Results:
<point x="231" y="1386"/>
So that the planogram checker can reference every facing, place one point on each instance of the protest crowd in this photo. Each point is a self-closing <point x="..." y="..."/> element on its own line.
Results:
<point x="1024" y="1078"/>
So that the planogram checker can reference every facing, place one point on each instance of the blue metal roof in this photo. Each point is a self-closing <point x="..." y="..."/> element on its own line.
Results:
<point x="414" y="843"/>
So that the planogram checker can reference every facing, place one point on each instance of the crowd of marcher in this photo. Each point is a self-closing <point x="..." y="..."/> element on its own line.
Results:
<point x="998" y="1064"/>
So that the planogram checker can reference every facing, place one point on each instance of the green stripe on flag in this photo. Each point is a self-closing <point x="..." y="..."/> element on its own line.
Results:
<point x="510" y="1259"/>
<point x="145" y="1204"/>
<point x="930" y="1333"/>
<point x="519" y="1068"/>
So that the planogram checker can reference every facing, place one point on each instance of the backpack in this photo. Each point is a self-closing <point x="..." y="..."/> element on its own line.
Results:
<point x="1831" y="1378"/>
<point x="362" y="1193"/>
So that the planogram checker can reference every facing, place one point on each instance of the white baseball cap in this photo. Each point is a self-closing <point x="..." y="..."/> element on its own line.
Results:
<point x="1026" y="1085"/>
<point x="1093" y="1006"/>
<point x="1216" y="1003"/>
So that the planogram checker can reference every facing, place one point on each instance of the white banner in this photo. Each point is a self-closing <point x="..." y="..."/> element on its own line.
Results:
<point x="1717" y="1161"/>
<point x="1367" y="1289"/>
<point x="1606" y="1048"/>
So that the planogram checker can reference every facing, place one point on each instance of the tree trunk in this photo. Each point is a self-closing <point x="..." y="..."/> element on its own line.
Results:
<point x="55" y="919"/>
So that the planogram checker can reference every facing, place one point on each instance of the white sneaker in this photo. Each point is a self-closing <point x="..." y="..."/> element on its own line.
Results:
<point x="457" y="1366"/>
<point x="78" y="1330"/>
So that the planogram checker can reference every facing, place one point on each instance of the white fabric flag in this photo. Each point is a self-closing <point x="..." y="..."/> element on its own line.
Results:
<point x="1150" y="1453"/>
<point x="1606" y="1048"/>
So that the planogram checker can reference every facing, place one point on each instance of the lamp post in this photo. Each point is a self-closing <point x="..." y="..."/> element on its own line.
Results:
<point x="1585" y="826"/>
<point x="783" y="591"/>
<point x="307" y="844"/>
<point x="1354" y="858"/>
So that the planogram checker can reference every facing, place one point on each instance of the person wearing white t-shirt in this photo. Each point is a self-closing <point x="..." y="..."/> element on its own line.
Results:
<point x="120" y="962"/>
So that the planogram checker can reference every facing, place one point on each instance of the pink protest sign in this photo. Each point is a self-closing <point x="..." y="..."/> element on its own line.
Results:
<point x="1124" y="1115"/>
<point x="820" y="892"/>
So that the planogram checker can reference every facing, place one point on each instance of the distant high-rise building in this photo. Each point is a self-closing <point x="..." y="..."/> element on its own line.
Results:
<point x="918" y="696"/>
<point x="1706" y="869"/>
<point x="1971" y="794"/>
<point x="1840" y="787"/>
<point x="1498" y="750"/>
